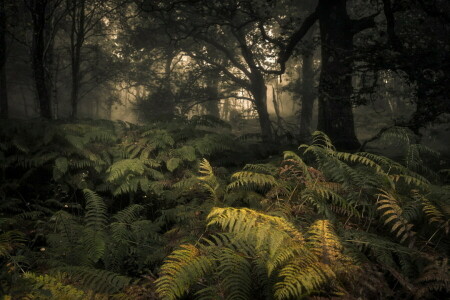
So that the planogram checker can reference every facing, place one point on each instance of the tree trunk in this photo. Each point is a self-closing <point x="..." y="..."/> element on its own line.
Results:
<point x="276" y="107"/>
<point x="77" y="37"/>
<point x="431" y="103"/>
<point x="335" y="87"/>
<point x="74" y="95"/>
<point x="41" y="74"/>
<point x="167" y="107"/>
<point x="212" y="91"/>
<point x="3" y="88"/>
<point x="259" y="92"/>
<point x="308" y="95"/>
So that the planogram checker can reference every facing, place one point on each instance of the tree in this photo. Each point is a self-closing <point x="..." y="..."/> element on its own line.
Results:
<point x="84" y="18"/>
<point x="308" y="94"/>
<point x="417" y="45"/>
<point x="45" y="16"/>
<point x="38" y="9"/>
<point x="212" y="94"/>
<point x="232" y="31"/>
<point x="3" y="87"/>
<point x="337" y="31"/>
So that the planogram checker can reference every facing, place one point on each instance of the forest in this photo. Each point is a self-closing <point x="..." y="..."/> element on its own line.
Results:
<point x="232" y="149"/>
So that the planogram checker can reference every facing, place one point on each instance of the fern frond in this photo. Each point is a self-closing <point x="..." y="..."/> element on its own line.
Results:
<point x="10" y="240"/>
<point x="129" y="214"/>
<point x="100" y="281"/>
<point x="435" y="278"/>
<point x="96" y="215"/>
<point x="243" y="220"/>
<point x="182" y="269"/>
<point x="236" y="273"/>
<point x="324" y="242"/>
<point x="251" y="180"/>
<point x="392" y="213"/>
<point x="299" y="280"/>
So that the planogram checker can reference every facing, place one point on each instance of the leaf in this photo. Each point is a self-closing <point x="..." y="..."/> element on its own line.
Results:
<point x="173" y="163"/>
<point x="187" y="153"/>
<point x="62" y="164"/>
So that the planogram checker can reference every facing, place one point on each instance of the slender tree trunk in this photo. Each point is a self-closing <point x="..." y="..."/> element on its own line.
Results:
<point x="41" y="74"/>
<point x="259" y="92"/>
<point x="77" y="37"/>
<point x="429" y="105"/>
<point x="74" y="95"/>
<point x="226" y="110"/>
<point x="212" y="91"/>
<point x="276" y="107"/>
<point x="335" y="88"/>
<point x="308" y="95"/>
<point x="168" y="106"/>
<point x="3" y="87"/>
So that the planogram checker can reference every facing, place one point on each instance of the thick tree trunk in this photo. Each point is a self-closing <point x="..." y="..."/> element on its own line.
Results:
<point x="308" y="95"/>
<point x="212" y="91"/>
<point x="259" y="92"/>
<point x="41" y="74"/>
<point x="335" y="88"/>
<point x="3" y="87"/>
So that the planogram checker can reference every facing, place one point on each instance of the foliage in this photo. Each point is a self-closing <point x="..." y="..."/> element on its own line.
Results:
<point x="341" y="216"/>
<point x="111" y="209"/>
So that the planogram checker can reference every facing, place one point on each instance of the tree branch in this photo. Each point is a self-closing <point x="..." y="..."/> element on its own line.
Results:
<point x="363" y="23"/>
<point x="296" y="37"/>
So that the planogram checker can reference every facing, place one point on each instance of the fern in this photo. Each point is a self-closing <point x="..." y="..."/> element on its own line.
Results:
<point x="182" y="269"/>
<point x="299" y="280"/>
<point x="435" y="278"/>
<point x="96" y="211"/>
<point x="100" y="281"/>
<point x="392" y="213"/>
<point x="248" y="179"/>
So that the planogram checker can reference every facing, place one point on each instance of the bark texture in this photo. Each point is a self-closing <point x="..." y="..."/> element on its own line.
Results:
<point x="335" y="87"/>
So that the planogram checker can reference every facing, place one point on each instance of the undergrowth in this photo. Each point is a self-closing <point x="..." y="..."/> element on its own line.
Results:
<point x="113" y="210"/>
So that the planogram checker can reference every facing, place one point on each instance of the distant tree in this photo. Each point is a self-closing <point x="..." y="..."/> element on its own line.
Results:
<point x="212" y="94"/>
<point x="3" y="86"/>
<point x="308" y="92"/>
<point x="45" y="18"/>
<point x="235" y="32"/>
<point x="85" y="17"/>
<point x="418" y="43"/>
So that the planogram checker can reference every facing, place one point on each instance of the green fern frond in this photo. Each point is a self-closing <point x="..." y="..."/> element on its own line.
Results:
<point x="122" y="167"/>
<point x="243" y="221"/>
<point x="10" y="240"/>
<point x="236" y="273"/>
<point x="299" y="280"/>
<point x="53" y="284"/>
<point x="96" y="216"/>
<point x="292" y="156"/>
<point x="392" y="213"/>
<point x="251" y="180"/>
<point x="210" y="181"/>
<point x="182" y="269"/>
<point x="129" y="214"/>
<point x="435" y="278"/>
<point x="100" y="281"/>
<point x="324" y="242"/>
<point x="320" y="139"/>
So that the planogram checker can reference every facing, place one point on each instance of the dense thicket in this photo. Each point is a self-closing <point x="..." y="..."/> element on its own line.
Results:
<point x="96" y="207"/>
